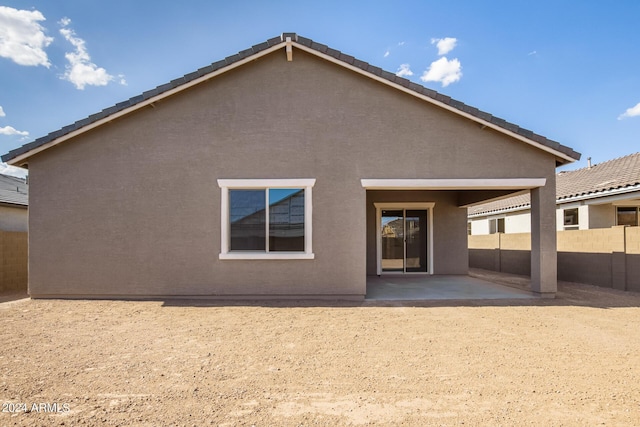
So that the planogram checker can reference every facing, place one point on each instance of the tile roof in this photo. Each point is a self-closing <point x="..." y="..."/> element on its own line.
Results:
<point x="314" y="46"/>
<point x="613" y="174"/>
<point x="521" y="201"/>
<point x="598" y="180"/>
<point x="13" y="191"/>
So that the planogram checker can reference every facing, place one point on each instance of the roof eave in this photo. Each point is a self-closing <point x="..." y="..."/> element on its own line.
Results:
<point x="562" y="158"/>
<point x="21" y="159"/>
<point x="14" y="204"/>
<point x="595" y="195"/>
<point x="500" y="211"/>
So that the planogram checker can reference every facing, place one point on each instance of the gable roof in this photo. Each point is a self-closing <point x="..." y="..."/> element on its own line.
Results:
<point x="622" y="173"/>
<point x="288" y="41"/>
<point x="13" y="191"/>
<point x="616" y="176"/>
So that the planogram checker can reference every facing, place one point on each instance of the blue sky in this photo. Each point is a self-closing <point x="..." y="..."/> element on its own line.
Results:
<point x="569" y="70"/>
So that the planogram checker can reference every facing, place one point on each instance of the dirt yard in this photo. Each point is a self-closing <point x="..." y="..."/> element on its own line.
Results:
<point x="570" y="361"/>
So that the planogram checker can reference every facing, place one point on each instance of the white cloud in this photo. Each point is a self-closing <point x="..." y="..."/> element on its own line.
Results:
<point x="22" y="38"/>
<point x="401" y="44"/>
<point x="533" y="52"/>
<point x="404" y="71"/>
<point x="445" y="45"/>
<point x="631" y="112"/>
<point x="12" y="170"/>
<point x="387" y="53"/>
<point x="8" y="130"/>
<point x="81" y="71"/>
<point x="444" y="71"/>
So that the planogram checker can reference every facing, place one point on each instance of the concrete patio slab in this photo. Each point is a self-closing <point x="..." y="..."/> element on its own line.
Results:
<point x="445" y="287"/>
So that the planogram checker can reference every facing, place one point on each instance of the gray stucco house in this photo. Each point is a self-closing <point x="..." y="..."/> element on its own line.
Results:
<point x="296" y="164"/>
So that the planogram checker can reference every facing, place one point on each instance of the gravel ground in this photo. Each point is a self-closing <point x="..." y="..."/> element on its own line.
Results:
<point x="574" y="360"/>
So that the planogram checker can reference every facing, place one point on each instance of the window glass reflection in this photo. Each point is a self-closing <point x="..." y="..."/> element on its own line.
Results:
<point x="247" y="220"/>
<point x="286" y="219"/>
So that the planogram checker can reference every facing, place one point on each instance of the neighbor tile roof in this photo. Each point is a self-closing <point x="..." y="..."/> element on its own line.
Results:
<point x="520" y="201"/>
<point x="610" y="175"/>
<point x="589" y="182"/>
<point x="318" y="47"/>
<point x="13" y="191"/>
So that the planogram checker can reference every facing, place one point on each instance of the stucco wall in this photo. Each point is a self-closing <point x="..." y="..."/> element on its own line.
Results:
<point x="509" y="253"/>
<point x="633" y="258"/>
<point x="480" y="226"/>
<point x="602" y="216"/>
<point x="13" y="261"/>
<point x="138" y="213"/>
<point x="518" y="222"/>
<point x="514" y="222"/>
<point x="14" y="218"/>
<point x="607" y="257"/>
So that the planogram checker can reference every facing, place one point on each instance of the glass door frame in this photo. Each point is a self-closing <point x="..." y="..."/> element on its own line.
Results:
<point x="427" y="206"/>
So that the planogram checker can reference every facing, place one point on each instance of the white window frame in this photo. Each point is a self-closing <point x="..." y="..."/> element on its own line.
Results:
<point x="628" y="206"/>
<point x="496" y="219"/>
<point x="265" y="184"/>
<point x="569" y="227"/>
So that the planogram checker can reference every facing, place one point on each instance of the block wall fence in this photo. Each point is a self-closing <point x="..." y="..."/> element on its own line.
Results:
<point x="13" y="261"/>
<point x="607" y="257"/>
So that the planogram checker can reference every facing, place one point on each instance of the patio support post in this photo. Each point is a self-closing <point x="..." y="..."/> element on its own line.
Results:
<point x="544" y="261"/>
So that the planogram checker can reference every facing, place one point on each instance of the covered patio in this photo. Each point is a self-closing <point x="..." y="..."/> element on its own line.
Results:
<point x="439" y="287"/>
<point x="417" y="226"/>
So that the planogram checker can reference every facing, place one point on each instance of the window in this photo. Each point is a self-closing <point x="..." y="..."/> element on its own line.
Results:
<point x="266" y="219"/>
<point x="627" y="215"/>
<point x="571" y="219"/>
<point x="496" y="225"/>
<point x="469" y="228"/>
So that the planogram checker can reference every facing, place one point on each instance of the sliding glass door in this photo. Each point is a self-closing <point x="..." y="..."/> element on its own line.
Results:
<point x="415" y="225"/>
<point x="392" y="240"/>
<point x="403" y="240"/>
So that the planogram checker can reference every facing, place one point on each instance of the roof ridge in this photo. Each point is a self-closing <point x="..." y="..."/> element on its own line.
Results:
<point x="16" y="178"/>
<point x="601" y="163"/>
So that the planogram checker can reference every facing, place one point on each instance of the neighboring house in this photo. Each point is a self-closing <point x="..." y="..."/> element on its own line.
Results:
<point x="169" y="194"/>
<point x="14" y="219"/>
<point x="597" y="196"/>
<point x="14" y="200"/>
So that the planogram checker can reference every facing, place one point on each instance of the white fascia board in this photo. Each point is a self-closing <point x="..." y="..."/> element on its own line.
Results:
<point x="454" y="184"/>
<point x="603" y="197"/>
<point x="143" y="104"/>
<point x="440" y="104"/>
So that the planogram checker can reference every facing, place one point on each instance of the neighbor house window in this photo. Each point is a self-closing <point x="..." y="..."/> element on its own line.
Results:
<point x="627" y="215"/>
<point x="266" y="219"/>
<point x="496" y="225"/>
<point x="571" y="219"/>
<point x="469" y="228"/>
